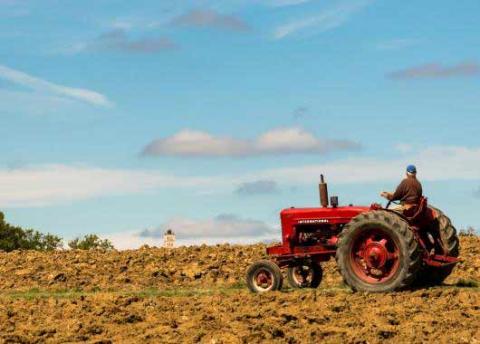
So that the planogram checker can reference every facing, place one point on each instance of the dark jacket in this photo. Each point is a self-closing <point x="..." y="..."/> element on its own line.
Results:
<point x="409" y="191"/>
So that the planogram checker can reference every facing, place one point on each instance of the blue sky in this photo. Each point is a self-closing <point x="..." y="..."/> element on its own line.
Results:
<point x="125" y="118"/>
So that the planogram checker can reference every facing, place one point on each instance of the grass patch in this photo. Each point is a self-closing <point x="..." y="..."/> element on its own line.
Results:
<point x="238" y="288"/>
<point x="36" y="293"/>
<point x="467" y="283"/>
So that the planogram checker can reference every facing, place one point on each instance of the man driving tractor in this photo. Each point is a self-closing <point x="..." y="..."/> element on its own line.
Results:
<point x="408" y="192"/>
<point x="376" y="250"/>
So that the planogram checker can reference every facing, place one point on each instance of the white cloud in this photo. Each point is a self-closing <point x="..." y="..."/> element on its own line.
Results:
<point x="433" y="164"/>
<point x="131" y="240"/>
<point x="217" y="230"/>
<point x="326" y="20"/>
<point x="221" y="226"/>
<point x="57" y="184"/>
<point x="276" y="141"/>
<point x="43" y="86"/>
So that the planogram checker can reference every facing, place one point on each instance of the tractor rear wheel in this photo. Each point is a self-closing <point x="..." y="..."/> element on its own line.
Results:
<point x="263" y="276"/>
<point x="430" y="275"/>
<point x="377" y="252"/>
<point x="305" y="275"/>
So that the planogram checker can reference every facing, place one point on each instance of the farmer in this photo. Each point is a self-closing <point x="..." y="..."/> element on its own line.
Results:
<point x="408" y="192"/>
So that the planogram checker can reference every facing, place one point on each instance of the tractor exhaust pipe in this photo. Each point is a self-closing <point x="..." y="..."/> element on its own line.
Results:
<point x="323" y="190"/>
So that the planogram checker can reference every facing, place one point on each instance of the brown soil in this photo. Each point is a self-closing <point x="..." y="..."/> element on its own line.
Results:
<point x="197" y="295"/>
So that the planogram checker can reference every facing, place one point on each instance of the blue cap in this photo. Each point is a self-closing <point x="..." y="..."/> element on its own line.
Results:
<point x="411" y="169"/>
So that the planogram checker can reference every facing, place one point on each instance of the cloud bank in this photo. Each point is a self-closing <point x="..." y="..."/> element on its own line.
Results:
<point x="194" y="143"/>
<point x="43" y="86"/>
<point x="131" y="239"/>
<point x="57" y="184"/>
<point x="221" y="226"/>
<point x="437" y="71"/>
<point x="433" y="164"/>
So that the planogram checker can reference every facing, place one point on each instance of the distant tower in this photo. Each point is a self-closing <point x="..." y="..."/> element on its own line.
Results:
<point x="169" y="239"/>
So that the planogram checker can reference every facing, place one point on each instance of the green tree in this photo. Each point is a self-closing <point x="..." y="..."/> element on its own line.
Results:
<point x="17" y="238"/>
<point x="90" y="242"/>
<point x="470" y="231"/>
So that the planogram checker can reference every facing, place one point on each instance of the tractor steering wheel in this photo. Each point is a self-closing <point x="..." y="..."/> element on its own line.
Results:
<point x="390" y="202"/>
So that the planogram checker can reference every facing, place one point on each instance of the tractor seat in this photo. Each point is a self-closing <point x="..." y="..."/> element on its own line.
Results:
<point x="414" y="213"/>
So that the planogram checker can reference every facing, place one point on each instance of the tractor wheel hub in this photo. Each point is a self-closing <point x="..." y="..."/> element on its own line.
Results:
<point x="375" y="255"/>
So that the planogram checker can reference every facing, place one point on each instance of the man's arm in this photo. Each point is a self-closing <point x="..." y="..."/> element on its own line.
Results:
<point x="397" y="195"/>
<point x="400" y="192"/>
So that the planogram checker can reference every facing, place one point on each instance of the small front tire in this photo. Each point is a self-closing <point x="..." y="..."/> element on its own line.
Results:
<point x="308" y="275"/>
<point x="263" y="276"/>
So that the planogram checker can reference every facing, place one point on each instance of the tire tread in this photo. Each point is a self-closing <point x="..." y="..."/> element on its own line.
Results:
<point x="396" y="223"/>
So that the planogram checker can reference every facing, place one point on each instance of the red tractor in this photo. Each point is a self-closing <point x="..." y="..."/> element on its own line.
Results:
<point x="377" y="249"/>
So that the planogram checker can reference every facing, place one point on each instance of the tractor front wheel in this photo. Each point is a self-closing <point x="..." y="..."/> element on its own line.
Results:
<point x="263" y="276"/>
<point x="305" y="275"/>
<point x="377" y="252"/>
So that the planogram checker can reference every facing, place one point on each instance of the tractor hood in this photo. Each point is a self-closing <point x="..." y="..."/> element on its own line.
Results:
<point x="321" y="215"/>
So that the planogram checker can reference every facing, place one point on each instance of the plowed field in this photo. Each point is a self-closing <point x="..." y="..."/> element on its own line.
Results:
<point x="197" y="294"/>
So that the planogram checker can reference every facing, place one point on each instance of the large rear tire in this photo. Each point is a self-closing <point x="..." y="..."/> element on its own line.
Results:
<point x="430" y="275"/>
<point x="377" y="252"/>
<point x="263" y="276"/>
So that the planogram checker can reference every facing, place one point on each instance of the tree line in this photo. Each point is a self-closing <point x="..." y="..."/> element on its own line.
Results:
<point x="16" y="238"/>
<point x="469" y="231"/>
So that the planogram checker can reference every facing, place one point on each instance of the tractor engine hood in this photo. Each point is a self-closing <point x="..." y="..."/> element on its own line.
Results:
<point x="338" y="215"/>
